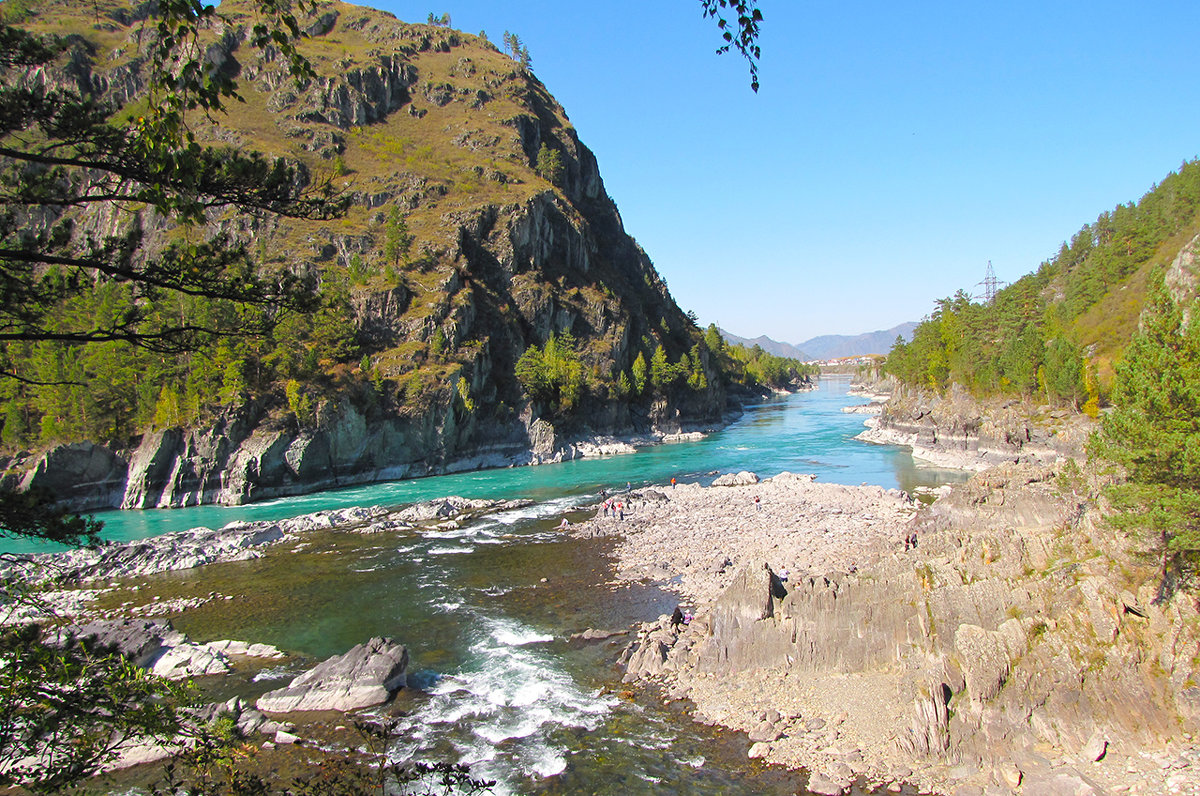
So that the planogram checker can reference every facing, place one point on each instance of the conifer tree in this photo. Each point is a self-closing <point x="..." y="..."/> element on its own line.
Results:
<point x="1154" y="432"/>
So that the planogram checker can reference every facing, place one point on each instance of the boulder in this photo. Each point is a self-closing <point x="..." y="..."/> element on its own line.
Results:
<point x="139" y="640"/>
<point x="765" y="731"/>
<point x="739" y="479"/>
<point x="1059" y="783"/>
<point x="366" y="675"/>
<point x="156" y="646"/>
<point x="1095" y="748"/>
<point x="650" y="656"/>
<point x="758" y="750"/>
<point x="823" y="785"/>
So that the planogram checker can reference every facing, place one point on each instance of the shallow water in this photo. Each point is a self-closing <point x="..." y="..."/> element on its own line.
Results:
<point x="487" y="610"/>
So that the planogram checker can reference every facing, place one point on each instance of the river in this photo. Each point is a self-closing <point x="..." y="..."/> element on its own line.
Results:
<point x="487" y="609"/>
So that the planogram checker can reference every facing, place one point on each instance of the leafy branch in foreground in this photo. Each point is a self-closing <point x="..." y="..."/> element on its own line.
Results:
<point x="69" y="707"/>
<point x="67" y="154"/>
<point x="742" y="35"/>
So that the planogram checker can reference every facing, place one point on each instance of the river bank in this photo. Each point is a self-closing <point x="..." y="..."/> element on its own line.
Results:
<point x="237" y="461"/>
<point x="1008" y="651"/>
<point x="957" y="431"/>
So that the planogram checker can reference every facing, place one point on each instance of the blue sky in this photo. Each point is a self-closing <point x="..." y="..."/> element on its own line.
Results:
<point x="892" y="151"/>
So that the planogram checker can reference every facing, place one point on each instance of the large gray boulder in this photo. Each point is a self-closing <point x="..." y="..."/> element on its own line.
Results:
<point x="744" y="478"/>
<point x="153" y="645"/>
<point x="366" y="675"/>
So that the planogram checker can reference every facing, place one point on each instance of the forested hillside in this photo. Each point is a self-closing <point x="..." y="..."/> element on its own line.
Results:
<point x="478" y="279"/>
<point x="1055" y="334"/>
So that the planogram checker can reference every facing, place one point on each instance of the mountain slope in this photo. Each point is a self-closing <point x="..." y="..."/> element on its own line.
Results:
<point x="1054" y="334"/>
<point x="479" y="234"/>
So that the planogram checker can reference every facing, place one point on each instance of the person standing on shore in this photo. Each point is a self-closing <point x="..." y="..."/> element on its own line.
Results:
<point x="757" y="503"/>
<point x="672" y="483"/>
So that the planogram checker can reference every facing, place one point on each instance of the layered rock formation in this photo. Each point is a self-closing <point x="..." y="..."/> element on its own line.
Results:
<point x="1015" y="645"/>
<point x="366" y="675"/>
<point x="956" y="430"/>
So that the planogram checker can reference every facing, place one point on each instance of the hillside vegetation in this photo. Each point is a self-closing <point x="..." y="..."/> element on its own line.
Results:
<point x="1055" y="334"/>
<point x="478" y="237"/>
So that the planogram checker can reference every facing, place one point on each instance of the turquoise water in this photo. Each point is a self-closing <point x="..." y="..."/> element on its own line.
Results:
<point x="487" y="610"/>
<point x="803" y="433"/>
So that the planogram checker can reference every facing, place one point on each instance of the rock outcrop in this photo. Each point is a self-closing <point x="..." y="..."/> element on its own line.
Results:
<point x="955" y="430"/>
<point x="1017" y="643"/>
<point x="160" y="649"/>
<point x="367" y="675"/>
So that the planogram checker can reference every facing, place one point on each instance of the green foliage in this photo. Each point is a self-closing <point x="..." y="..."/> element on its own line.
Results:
<point x="993" y="348"/>
<point x="713" y="339"/>
<point x="624" y="385"/>
<point x="398" y="240"/>
<point x="299" y="403"/>
<point x="755" y="367"/>
<point x="1047" y="321"/>
<point x="463" y="390"/>
<point x="552" y="375"/>
<point x="66" y="709"/>
<point x="514" y="48"/>
<point x="550" y="165"/>
<point x="217" y="763"/>
<point x="640" y="374"/>
<point x="16" y="11"/>
<point x="1154" y="432"/>
<point x="437" y="344"/>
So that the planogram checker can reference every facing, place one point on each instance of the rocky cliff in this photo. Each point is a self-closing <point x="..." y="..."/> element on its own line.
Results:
<point x="479" y="228"/>
<point x="1019" y="642"/>
<point x="957" y="430"/>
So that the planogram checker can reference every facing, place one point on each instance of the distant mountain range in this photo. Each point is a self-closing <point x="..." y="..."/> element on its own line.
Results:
<point x="829" y="346"/>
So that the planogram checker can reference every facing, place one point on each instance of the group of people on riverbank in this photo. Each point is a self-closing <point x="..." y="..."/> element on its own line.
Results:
<point x="615" y="508"/>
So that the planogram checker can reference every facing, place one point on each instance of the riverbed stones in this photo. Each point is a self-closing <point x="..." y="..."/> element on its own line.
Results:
<point x="366" y="675"/>
<point x="156" y="646"/>
<point x="824" y="785"/>
<point x="1095" y="748"/>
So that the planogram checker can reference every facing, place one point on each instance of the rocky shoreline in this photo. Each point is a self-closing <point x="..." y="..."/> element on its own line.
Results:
<point x="1003" y="653"/>
<point x="226" y="465"/>
<point x="998" y="641"/>
<point x="957" y="432"/>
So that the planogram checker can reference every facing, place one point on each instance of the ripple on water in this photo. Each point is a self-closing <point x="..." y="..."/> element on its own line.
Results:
<point x="504" y="711"/>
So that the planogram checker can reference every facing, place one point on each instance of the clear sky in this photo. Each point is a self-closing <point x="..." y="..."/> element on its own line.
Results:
<point x="893" y="149"/>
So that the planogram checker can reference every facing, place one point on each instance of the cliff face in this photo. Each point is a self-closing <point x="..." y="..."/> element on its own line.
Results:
<point x="956" y="430"/>
<point x="438" y="129"/>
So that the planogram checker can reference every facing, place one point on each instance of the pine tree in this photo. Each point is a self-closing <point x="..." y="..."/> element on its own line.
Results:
<point x="1154" y="432"/>
<point x="550" y="165"/>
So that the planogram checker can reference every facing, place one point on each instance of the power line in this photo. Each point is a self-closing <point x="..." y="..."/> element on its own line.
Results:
<point x="991" y="285"/>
